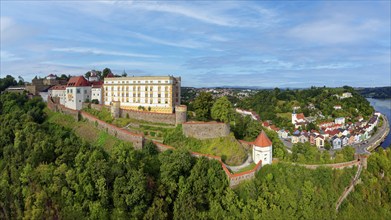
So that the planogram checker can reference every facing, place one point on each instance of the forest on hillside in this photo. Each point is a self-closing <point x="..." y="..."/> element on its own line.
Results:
<point x="47" y="172"/>
<point x="377" y="92"/>
<point x="277" y="105"/>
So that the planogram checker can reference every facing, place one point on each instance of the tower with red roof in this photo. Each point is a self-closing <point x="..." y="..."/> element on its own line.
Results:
<point x="262" y="149"/>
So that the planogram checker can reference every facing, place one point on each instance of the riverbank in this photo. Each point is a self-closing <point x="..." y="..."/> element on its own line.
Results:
<point x="383" y="106"/>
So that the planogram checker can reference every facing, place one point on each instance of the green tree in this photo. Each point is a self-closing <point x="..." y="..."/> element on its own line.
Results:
<point x="222" y="110"/>
<point x="202" y="106"/>
<point x="106" y="71"/>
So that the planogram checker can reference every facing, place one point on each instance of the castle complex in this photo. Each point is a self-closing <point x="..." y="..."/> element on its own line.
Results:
<point x="158" y="94"/>
<point x="153" y="93"/>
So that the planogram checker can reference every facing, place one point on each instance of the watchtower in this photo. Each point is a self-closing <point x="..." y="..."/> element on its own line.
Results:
<point x="115" y="109"/>
<point x="180" y="114"/>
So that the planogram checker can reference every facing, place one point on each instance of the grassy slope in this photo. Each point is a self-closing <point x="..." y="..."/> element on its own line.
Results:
<point x="228" y="148"/>
<point x="84" y="130"/>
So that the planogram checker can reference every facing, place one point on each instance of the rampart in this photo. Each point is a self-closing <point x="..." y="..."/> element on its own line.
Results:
<point x="149" y="116"/>
<point x="205" y="130"/>
<point x="234" y="179"/>
<point x="333" y="166"/>
<point x="136" y="139"/>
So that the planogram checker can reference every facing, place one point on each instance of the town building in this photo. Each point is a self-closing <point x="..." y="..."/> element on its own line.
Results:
<point x="319" y="141"/>
<point x="78" y="90"/>
<point x="346" y="95"/>
<point x="340" y="121"/>
<point x="337" y="107"/>
<point x="59" y="92"/>
<point x="337" y="143"/>
<point x="153" y="93"/>
<point x="262" y="149"/>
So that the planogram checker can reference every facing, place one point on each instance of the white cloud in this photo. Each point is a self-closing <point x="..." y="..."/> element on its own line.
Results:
<point x="198" y="14"/>
<point x="5" y="23"/>
<point x="186" y="44"/>
<point x="334" y="31"/>
<point x="101" y="52"/>
<point x="5" y="56"/>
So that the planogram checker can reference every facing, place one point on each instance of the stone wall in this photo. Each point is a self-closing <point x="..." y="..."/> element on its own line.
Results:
<point x="205" y="130"/>
<point x="343" y="165"/>
<point x="234" y="179"/>
<point x="149" y="116"/>
<point x="136" y="139"/>
<point x="98" y="107"/>
<point x="60" y="108"/>
<point x="237" y="178"/>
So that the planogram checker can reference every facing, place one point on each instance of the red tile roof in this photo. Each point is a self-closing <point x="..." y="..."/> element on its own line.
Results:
<point x="58" y="87"/>
<point x="262" y="140"/>
<point x="77" y="81"/>
<point x="96" y="84"/>
<point x="300" y="116"/>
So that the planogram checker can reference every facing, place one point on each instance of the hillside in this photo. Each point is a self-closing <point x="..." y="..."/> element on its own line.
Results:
<point x="47" y="172"/>
<point x="318" y="102"/>
<point x="377" y="92"/>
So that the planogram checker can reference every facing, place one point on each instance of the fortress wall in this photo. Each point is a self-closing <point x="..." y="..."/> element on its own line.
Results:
<point x="149" y="116"/>
<point x="205" y="130"/>
<point x="68" y="111"/>
<point x="136" y="139"/>
<point x="234" y="179"/>
<point x="237" y="178"/>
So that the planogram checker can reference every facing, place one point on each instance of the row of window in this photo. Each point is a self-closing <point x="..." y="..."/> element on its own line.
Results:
<point x="135" y="82"/>
<point x="138" y="88"/>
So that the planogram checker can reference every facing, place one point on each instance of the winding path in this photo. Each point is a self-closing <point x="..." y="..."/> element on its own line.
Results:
<point x="245" y="164"/>
<point x="349" y="189"/>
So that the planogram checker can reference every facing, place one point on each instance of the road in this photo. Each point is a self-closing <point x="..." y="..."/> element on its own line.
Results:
<point x="375" y="140"/>
<point x="361" y="148"/>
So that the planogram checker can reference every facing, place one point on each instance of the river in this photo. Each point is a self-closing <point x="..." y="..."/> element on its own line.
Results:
<point x="383" y="106"/>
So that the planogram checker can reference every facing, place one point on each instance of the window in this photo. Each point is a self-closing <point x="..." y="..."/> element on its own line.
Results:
<point x="78" y="91"/>
<point x="85" y="91"/>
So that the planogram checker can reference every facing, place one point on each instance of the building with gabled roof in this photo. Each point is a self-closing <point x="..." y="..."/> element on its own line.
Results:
<point x="58" y="91"/>
<point x="78" y="90"/>
<point x="262" y="149"/>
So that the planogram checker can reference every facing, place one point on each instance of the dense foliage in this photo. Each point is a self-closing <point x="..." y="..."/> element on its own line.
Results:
<point x="47" y="172"/>
<point x="222" y="110"/>
<point x="277" y="105"/>
<point x="7" y="82"/>
<point x="203" y="105"/>
<point x="377" y="93"/>
<point x="372" y="198"/>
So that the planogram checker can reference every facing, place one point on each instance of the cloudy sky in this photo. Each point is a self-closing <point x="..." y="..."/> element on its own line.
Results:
<point x="219" y="43"/>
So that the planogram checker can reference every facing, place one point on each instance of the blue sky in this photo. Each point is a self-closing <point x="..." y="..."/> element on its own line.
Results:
<point x="207" y="43"/>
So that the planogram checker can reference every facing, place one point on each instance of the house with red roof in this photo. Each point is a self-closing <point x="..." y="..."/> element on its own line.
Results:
<point x="96" y="91"/>
<point x="78" y="90"/>
<point x="262" y="149"/>
<point x="58" y="91"/>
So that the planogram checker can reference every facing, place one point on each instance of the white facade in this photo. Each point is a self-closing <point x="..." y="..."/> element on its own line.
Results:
<point x="96" y="93"/>
<point x="75" y="96"/>
<point x="159" y="93"/>
<point x="340" y="121"/>
<point x="58" y="93"/>
<point x="263" y="153"/>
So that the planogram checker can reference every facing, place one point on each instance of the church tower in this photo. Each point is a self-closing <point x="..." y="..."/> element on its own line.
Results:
<point x="262" y="149"/>
<point x="294" y="117"/>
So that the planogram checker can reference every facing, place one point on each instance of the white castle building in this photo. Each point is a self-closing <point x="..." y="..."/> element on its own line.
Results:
<point x="262" y="149"/>
<point x="153" y="93"/>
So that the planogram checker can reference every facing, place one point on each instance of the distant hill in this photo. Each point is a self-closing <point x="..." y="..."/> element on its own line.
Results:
<point x="377" y="92"/>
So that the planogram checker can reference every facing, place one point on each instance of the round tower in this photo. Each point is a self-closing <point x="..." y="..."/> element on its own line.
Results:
<point x="180" y="114"/>
<point x="115" y="109"/>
